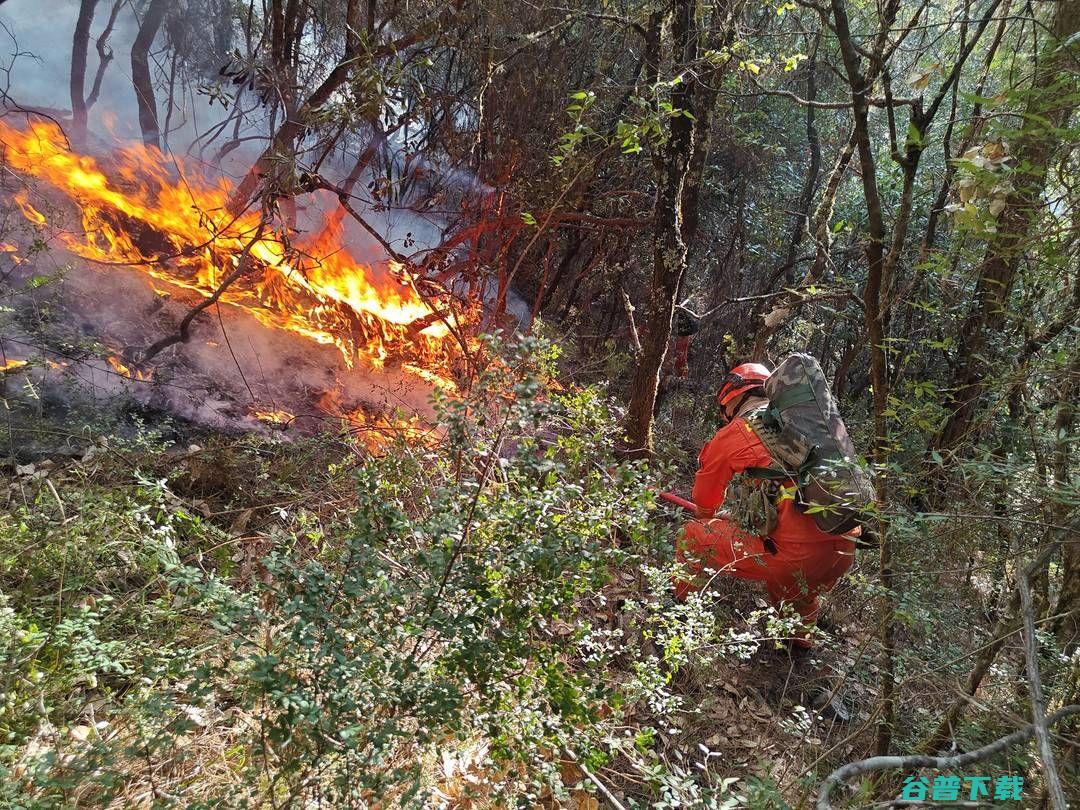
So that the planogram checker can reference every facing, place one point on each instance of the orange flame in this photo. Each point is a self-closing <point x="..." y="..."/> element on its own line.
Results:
<point x="27" y="209"/>
<point x="172" y="221"/>
<point x="11" y="365"/>
<point x="10" y="250"/>
<point x="376" y="431"/>
<point x="124" y="371"/>
<point x="277" y="417"/>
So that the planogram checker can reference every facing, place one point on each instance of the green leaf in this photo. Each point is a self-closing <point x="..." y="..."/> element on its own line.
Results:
<point x="914" y="136"/>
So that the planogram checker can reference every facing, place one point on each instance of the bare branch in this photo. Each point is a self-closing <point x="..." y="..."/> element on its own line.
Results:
<point x="1038" y="699"/>
<point x="602" y="787"/>
<point x="633" y="326"/>
<point x="182" y="335"/>
<point x="105" y="54"/>
<point x="826" y="105"/>
<point x="865" y="766"/>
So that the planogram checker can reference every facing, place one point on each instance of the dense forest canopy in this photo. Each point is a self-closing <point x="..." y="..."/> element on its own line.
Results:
<point x="346" y="346"/>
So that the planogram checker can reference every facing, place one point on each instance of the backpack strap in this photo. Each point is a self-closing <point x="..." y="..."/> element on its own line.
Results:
<point x="799" y="476"/>
<point x="767" y="473"/>
<point x="761" y="420"/>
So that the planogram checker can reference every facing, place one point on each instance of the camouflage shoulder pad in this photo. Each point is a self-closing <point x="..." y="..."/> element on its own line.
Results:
<point x="768" y="433"/>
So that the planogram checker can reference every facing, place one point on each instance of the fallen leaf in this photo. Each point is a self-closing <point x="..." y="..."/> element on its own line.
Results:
<point x="241" y="521"/>
<point x="80" y="733"/>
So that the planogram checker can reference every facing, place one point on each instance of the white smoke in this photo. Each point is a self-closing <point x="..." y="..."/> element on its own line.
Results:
<point x="36" y="43"/>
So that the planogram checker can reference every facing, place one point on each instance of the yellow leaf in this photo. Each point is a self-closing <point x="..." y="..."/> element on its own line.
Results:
<point x="919" y="80"/>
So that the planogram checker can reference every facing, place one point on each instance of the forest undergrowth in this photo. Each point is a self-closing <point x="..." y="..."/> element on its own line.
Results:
<point x="243" y="619"/>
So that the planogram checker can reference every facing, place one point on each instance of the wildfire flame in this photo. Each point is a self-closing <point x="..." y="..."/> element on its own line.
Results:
<point x="125" y="371"/>
<point x="276" y="417"/>
<point x="11" y="365"/>
<point x="375" y="431"/>
<point x="10" y="250"/>
<point x="170" y="220"/>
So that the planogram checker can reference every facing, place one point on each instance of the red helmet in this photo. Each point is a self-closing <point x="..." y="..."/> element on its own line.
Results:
<point x="741" y="379"/>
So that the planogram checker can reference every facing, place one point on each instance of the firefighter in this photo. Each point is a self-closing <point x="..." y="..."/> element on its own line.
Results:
<point x="797" y="561"/>
<point x="677" y="360"/>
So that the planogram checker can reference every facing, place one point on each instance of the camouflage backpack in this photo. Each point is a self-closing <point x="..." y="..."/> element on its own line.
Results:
<point x="803" y="432"/>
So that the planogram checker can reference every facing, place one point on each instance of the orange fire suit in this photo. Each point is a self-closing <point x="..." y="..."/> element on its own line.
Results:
<point x="797" y="562"/>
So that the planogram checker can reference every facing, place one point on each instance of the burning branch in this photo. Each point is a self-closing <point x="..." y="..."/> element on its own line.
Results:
<point x="312" y="181"/>
<point x="182" y="335"/>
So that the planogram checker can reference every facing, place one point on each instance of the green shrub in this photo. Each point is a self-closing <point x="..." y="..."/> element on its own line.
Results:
<point x="455" y="610"/>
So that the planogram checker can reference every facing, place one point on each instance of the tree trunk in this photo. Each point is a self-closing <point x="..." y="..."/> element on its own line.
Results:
<point x="140" y="71"/>
<point x="1067" y="626"/>
<point x="79" y="47"/>
<point x="669" y="246"/>
<point x="875" y="329"/>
